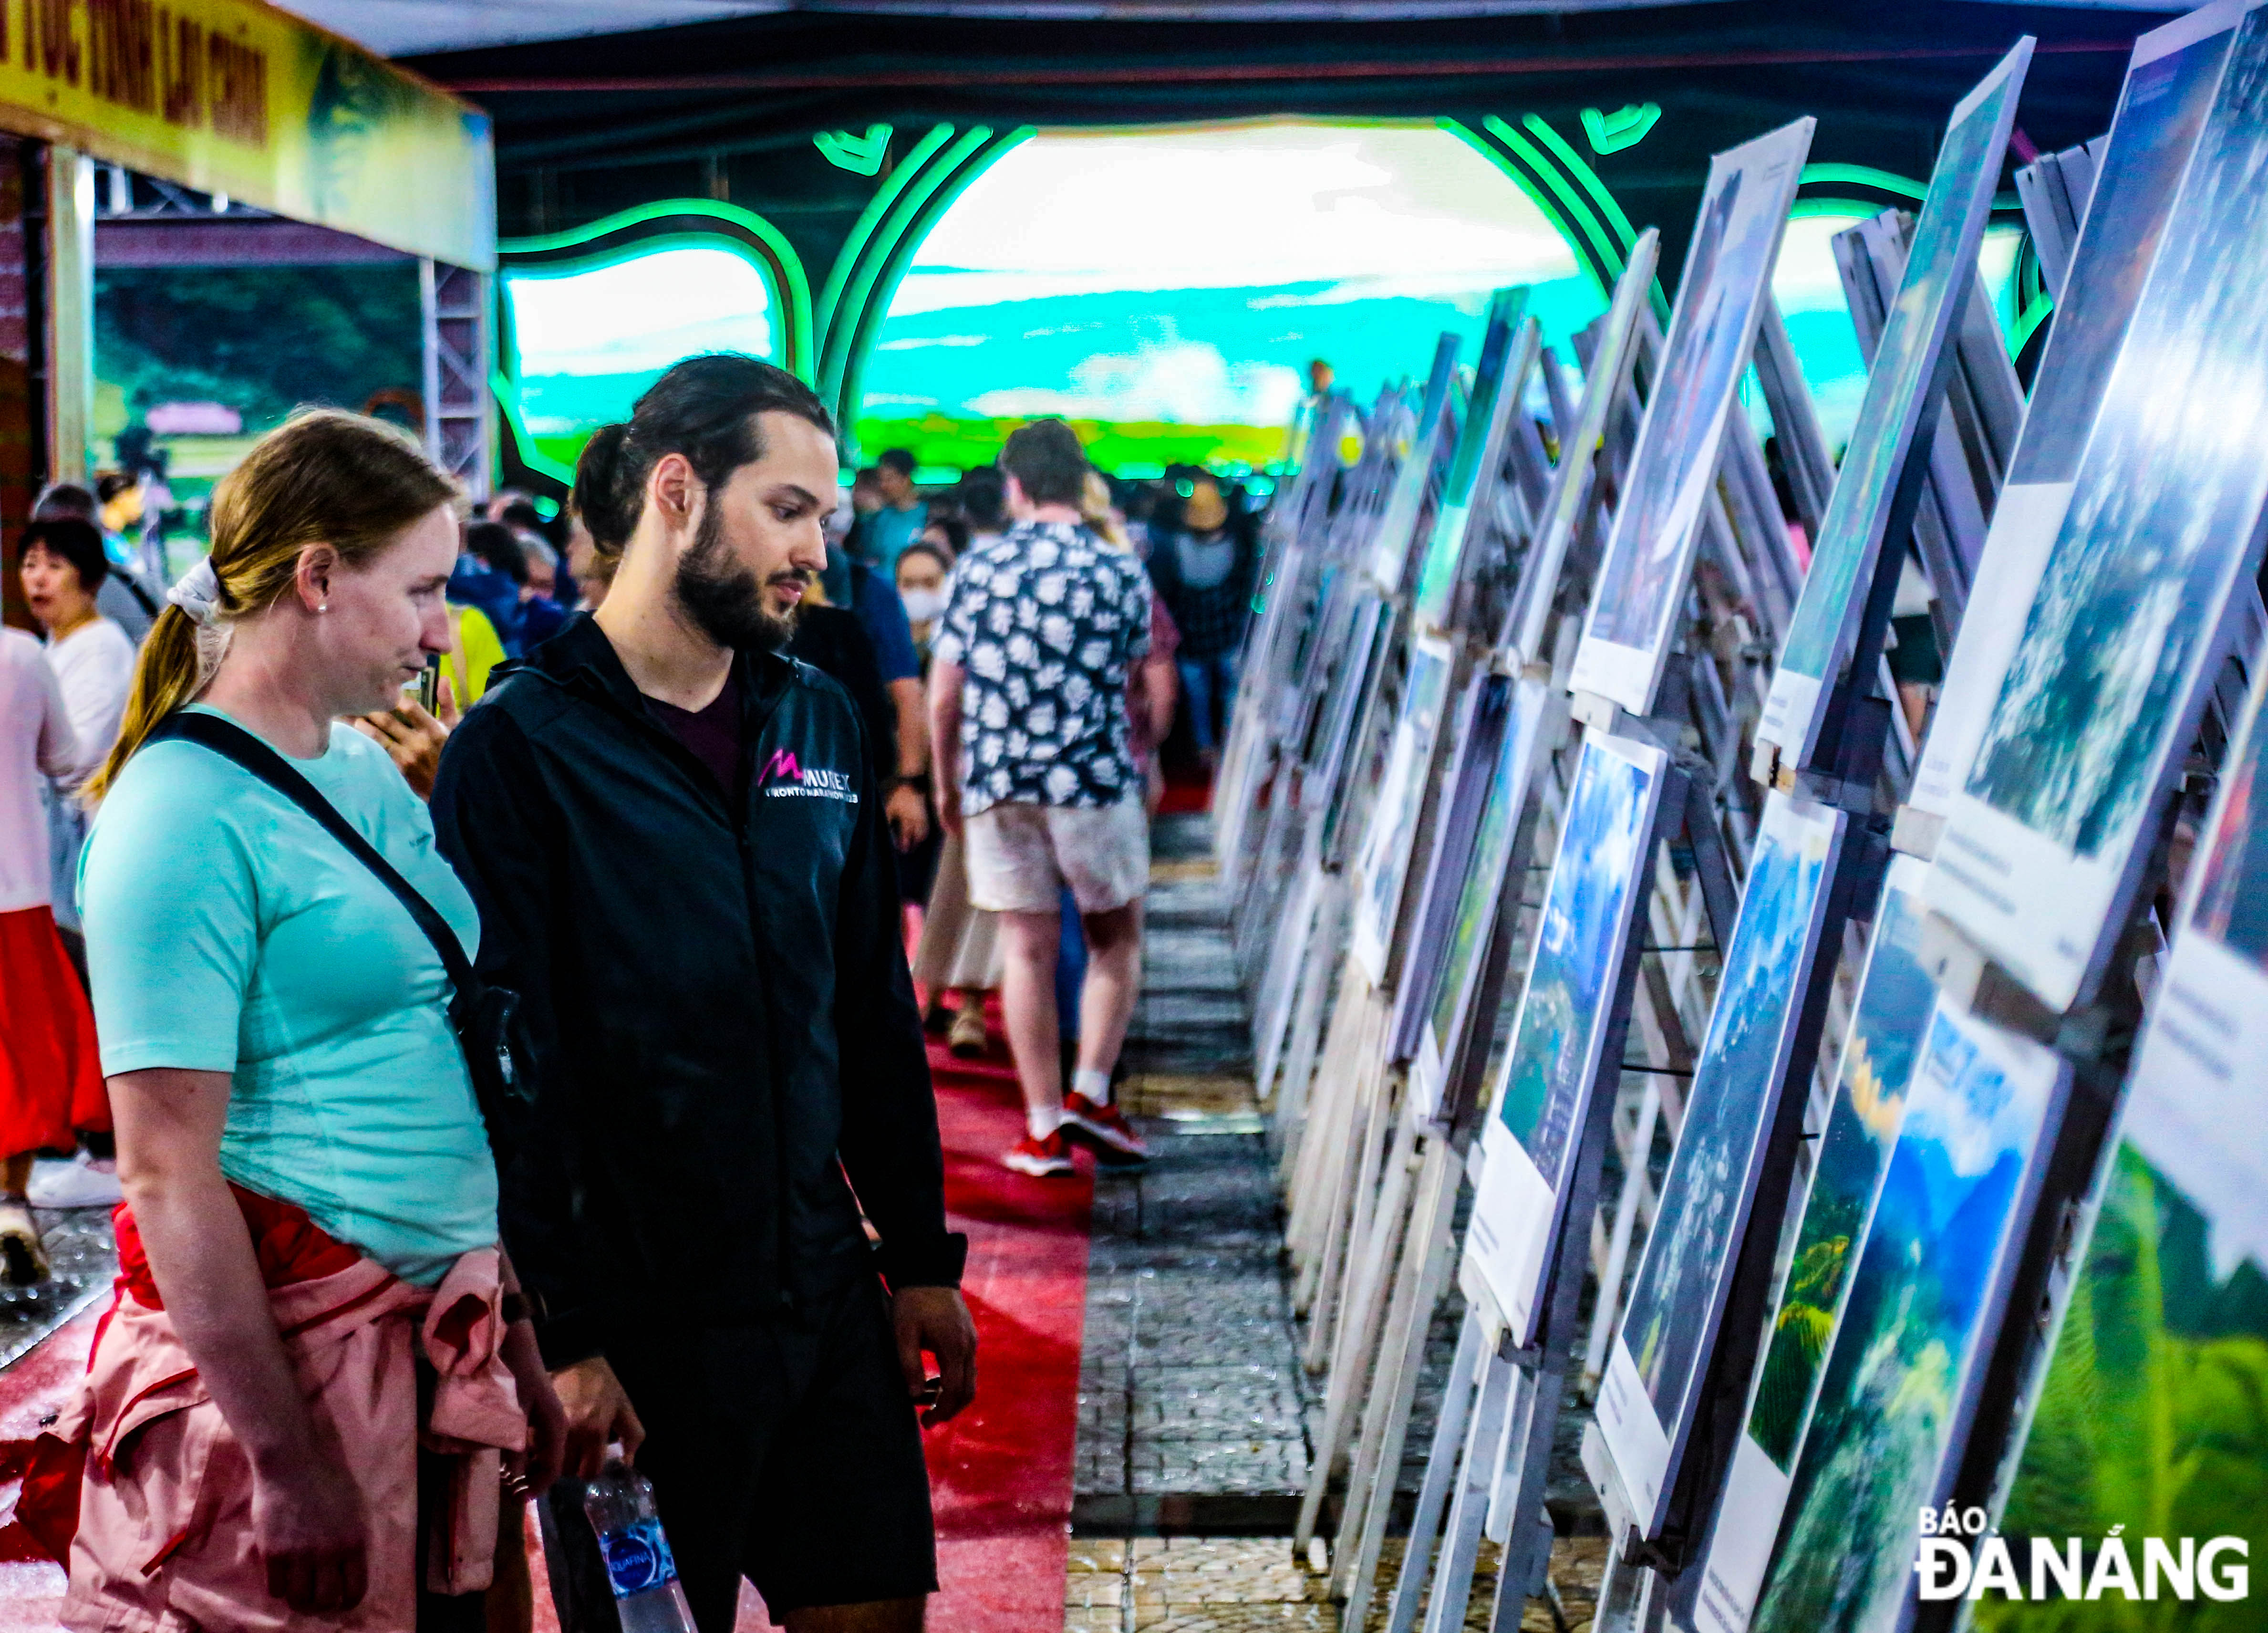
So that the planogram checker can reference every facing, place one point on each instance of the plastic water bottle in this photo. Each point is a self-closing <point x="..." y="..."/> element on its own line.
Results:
<point x="639" y="1568"/>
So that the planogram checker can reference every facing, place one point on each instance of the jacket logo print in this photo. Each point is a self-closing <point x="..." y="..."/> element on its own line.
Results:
<point x="784" y="779"/>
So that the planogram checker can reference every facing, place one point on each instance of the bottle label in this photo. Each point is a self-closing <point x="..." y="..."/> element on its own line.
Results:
<point x="637" y="1558"/>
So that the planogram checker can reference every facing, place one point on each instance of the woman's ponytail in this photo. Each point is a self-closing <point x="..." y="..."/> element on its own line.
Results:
<point x="169" y="673"/>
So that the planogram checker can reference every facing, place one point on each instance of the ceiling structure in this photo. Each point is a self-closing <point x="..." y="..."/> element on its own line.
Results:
<point x="406" y="27"/>
<point x="839" y="129"/>
<point x="741" y="108"/>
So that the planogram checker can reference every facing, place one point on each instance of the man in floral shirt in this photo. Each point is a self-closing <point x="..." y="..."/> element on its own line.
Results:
<point x="1028" y="702"/>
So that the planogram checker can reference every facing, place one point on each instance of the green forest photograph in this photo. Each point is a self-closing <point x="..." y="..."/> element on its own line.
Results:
<point x="2155" y="1414"/>
<point x="1886" y="1027"/>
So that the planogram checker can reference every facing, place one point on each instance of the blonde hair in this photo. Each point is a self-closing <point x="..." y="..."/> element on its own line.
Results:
<point x="324" y="476"/>
<point x="1095" y="509"/>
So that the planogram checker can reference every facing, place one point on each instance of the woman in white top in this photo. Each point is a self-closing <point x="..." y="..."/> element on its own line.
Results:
<point x="50" y="1074"/>
<point x="63" y="565"/>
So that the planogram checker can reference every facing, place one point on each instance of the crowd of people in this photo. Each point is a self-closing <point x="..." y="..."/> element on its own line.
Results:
<point x="471" y="952"/>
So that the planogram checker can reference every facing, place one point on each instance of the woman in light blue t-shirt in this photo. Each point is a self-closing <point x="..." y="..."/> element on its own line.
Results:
<point x="288" y="1091"/>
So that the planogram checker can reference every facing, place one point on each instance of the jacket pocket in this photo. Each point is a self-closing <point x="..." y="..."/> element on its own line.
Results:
<point x="152" y="1455"/>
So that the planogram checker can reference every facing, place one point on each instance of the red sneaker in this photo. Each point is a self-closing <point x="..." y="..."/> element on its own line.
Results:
<point x="1102" y="1125"/>
<point x="1040" y="1158"/>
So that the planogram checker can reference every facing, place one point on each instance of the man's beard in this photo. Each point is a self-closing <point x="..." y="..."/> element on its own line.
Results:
<point x="726" y="600"/>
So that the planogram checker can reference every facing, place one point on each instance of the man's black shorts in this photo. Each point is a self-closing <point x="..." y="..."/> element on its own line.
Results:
<point x="786" y="1452"/>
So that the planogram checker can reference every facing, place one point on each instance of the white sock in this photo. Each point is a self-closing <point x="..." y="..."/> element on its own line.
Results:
<point x="1043" y="1120"/>
<point x="1094" y="1084"/>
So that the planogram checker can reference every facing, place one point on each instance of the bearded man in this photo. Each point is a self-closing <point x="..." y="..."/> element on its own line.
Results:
<point x="682" y="866"/>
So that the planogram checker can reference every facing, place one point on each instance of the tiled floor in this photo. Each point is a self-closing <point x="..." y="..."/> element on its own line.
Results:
<point x="1209" y="1584"/>
<point x="1195" y="1414"/>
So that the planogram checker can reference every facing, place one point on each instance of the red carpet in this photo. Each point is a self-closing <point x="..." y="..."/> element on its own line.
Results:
<point x="1001" y="1472"/>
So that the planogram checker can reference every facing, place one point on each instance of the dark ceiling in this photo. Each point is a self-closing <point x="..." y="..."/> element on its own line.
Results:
<point x="728" y="109"/>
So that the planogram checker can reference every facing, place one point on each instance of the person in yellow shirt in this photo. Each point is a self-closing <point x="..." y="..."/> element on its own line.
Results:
<point x="473" y="650"/>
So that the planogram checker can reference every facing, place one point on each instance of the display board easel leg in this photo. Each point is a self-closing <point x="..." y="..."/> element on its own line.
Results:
<point x="1441" y="1473"/>
<point x="1369" y="1278"/>
<point x="1402" y="1355"/>
<point x="1460" y="1542"/>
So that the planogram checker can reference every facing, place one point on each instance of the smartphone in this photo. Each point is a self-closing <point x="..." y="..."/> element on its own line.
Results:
<point x="429" y="683"/>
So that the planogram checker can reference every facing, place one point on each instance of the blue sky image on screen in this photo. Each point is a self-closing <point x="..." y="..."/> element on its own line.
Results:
<point x="1906" y="1344"/>
<point x="1690" y="1249"/>
<point x="2168" y="493"/>
<point x="1602" y="844"/>
<point x="590" y="338"/>
<point x="1039" y="291"/>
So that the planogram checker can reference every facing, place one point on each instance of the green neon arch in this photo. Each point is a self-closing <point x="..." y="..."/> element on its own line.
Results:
<point x="881" y="245"/>
<point x="1558" y="179"/>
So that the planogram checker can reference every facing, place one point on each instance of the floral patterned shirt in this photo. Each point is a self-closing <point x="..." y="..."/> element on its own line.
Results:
<point x="1045" y="623"/>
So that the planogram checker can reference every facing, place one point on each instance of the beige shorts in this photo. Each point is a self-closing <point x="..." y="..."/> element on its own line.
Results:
<point x="1021" y="856"/>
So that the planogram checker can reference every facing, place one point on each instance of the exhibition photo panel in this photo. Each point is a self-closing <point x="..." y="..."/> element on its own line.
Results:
<point x="1600" y="880"/>
<point x="1529" y="620"/>
<point x="1535" y="717"/>
<point x="1383" y="864"/>
<point x="1920" y="1317"/>
<point x="1904" y="389"/>
<point x="2168" y="89"/>
<point x="1397" y="524"/>
<point x="1713" y="330"/>
<point x="2103" y="688"/>
<point x="1892" y="1012"/>
<point x="1662" y="1348"/>
<point x="1508" y="351"/>
<point x="1484" y="719"/>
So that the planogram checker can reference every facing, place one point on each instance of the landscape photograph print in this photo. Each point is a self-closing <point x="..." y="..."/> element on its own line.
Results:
<point x="2159" y="114"/>
<point x="1893" y="1010"/>
<point x="1735" y="243"/>
<point x="1586" y="917"/>
<point x="1896" y="1390"/>
<point x="2165" y="514"/>
<point x="1387" y="841"/>
<point x="2155" y="1413"/>
<point x="1691" y="1247"/>
<point x="1940" y="266"/>
<point x="1483" y="880"/>
<point x="1467" y="485"/>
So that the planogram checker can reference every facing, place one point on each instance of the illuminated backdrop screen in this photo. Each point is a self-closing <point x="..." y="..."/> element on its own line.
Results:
<point x="589" y="337"/>
<point x="1165" y="290"/>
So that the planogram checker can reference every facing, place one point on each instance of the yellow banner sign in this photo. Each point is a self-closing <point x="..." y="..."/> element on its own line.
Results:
<point x="234" y="97"/>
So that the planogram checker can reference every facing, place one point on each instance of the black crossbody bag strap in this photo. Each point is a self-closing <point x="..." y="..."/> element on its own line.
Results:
<point x="232" y="741"/>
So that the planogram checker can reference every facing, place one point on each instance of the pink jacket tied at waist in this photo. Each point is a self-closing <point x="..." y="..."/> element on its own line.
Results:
<point x="164" y="1537"/>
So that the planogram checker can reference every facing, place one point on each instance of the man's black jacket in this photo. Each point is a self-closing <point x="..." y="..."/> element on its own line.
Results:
<point x="716" y="999"/>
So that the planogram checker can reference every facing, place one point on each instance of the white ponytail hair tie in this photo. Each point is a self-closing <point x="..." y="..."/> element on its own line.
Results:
<point x="198" y="594"/>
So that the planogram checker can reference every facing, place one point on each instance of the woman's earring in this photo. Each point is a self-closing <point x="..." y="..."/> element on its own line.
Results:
<point x="324" y="607"/>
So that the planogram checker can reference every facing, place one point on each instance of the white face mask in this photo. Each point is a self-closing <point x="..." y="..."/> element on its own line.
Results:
<point x="922" y="606"/>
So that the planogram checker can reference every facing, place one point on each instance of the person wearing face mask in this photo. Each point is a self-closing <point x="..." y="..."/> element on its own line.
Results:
<point x="922" y="573"/>
<point x="677" y="845"/>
